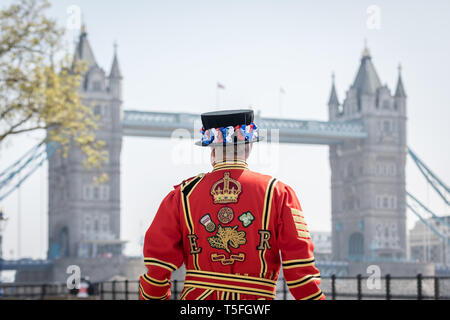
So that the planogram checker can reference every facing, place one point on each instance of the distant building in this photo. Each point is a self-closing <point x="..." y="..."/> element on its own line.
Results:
<point x="426" y="246"/>
<point x="322" y="245"/>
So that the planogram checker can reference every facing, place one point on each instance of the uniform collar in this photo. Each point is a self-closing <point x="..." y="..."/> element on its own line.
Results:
<point x="230" y="164"/>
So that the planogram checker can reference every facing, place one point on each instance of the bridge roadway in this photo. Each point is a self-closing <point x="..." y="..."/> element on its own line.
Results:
<point x="164" y="124"/>
<point x="25" y="264"/>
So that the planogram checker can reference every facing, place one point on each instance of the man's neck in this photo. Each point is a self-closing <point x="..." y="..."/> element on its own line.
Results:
<point x="237" y="160"/>
<point x="229" y="164"/>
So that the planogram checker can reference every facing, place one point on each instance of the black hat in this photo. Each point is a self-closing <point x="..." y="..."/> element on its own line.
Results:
<point x="235" y="125"/>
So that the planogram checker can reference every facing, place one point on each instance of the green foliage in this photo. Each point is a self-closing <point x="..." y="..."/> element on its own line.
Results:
<point x="39" y="84"/>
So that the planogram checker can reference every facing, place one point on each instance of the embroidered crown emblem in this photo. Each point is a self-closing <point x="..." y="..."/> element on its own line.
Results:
<point x="226" y="190"/>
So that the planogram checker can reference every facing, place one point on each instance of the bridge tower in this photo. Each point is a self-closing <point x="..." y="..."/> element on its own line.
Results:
<point x="84" y="218"/>
<point x="368" y="176"/>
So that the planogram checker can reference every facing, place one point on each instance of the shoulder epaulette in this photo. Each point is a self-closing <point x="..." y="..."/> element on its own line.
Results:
<point x="188" y="181"/>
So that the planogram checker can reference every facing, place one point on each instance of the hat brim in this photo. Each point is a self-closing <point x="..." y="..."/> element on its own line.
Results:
<point x="199" y="143"/>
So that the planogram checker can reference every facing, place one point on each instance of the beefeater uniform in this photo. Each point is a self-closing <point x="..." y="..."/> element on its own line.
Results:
<point x="229" y="227"/>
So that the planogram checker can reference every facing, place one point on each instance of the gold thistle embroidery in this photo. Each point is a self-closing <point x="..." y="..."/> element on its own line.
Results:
<point x="225" y="194"/>
<point x="226" y="237"/>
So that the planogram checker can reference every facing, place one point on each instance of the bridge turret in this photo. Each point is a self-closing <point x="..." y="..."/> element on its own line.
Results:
<point x="368" y="176"/>
<point x="83" y="50"/>
<point x="333" y="102"/>
<point x="362" y="95"/>
<point x="400" y="94"/>
<point x="94" y="79"/>
<point x="84" y="217"/>
<point x="115" y="77"/>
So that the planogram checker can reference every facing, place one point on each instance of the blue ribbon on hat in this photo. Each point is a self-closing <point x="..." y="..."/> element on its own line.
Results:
<point x="211" y="135"/>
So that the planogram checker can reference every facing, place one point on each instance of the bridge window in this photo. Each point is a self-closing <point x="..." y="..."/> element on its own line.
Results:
<point x="338" y="226"/>
<point x="63" y="240"/>
<point x="98" y="110"/>
<point x="96" y="225"/>
<point x="87" y="223"/>
<point x="392" y="169"/>
<point x="96" y="86"/>
<point x="356" y="246"/>
<point x="386" y="202"/>
<point x="86" y="192"/>
<point x="96" y="193"/>
<point x="104" y="192"/>
<point x="387" y="126"/>
<point x="105" y="223"/>
<point x="91" y="192"/>
<point x="350" y="173"/>
<point x="386" y="104"/>
<point x="386" y="169"/>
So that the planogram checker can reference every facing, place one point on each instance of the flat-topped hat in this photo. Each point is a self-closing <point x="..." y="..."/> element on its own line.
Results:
<point x="226" y="127"/>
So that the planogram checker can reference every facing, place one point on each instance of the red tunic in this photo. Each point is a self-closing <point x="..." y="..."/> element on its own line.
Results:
<point x="229" y="228"/>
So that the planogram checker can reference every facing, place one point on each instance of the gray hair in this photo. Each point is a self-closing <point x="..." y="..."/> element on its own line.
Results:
<point x="232" y="152"/>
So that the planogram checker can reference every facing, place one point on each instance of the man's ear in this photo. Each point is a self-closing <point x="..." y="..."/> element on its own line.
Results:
<point x="248" y="151"/>
<point x="213" y="156"/>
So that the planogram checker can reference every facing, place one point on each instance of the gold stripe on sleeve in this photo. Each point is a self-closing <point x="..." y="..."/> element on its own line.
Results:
<point x="163" y="264"/>
<point x="314" y="296"/>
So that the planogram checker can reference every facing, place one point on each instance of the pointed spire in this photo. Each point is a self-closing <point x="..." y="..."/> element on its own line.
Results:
<point x="366" y="51"/>
<point x="333" y="95"/>
<point x="83" y="29"/>
<point x="400" y="91"/>
<point x="367" y="80"/>
<point x="115" y="70"/>
<point x="83" y="49"/>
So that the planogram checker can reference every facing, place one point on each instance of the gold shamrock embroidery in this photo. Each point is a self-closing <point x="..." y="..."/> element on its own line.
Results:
<point x="226" y="237"/>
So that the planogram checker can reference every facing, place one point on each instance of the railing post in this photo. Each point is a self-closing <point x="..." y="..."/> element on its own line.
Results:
<point x="43" y="287"/>
<point x="175" y="289"/>
<point x="333" y="287"/>
<point x="113" y="290"/>
<point x="358" y="284"/>
<point x="126" y="289"/>
<point x="101" y="291"/>
<point x="388" y="287"/>
<point x="285" y="289"/>
<point x="436" y="288"/>
<point x="419" y="286"/>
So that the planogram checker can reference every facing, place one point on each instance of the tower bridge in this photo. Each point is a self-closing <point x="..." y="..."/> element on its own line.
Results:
<point x="366" y="135"/>
<point x="365" y="132"/>
<point x="163" y="125"/>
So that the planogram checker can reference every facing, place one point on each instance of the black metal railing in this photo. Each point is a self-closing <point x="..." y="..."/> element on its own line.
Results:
<point x="31" y="290"/>
<point x="335" y="288"/>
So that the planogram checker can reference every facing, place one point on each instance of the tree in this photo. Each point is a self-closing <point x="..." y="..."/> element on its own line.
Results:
<point x="39" y="84"/>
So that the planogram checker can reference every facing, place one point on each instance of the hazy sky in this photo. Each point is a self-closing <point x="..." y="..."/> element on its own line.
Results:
<point x="172" y="54"/>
